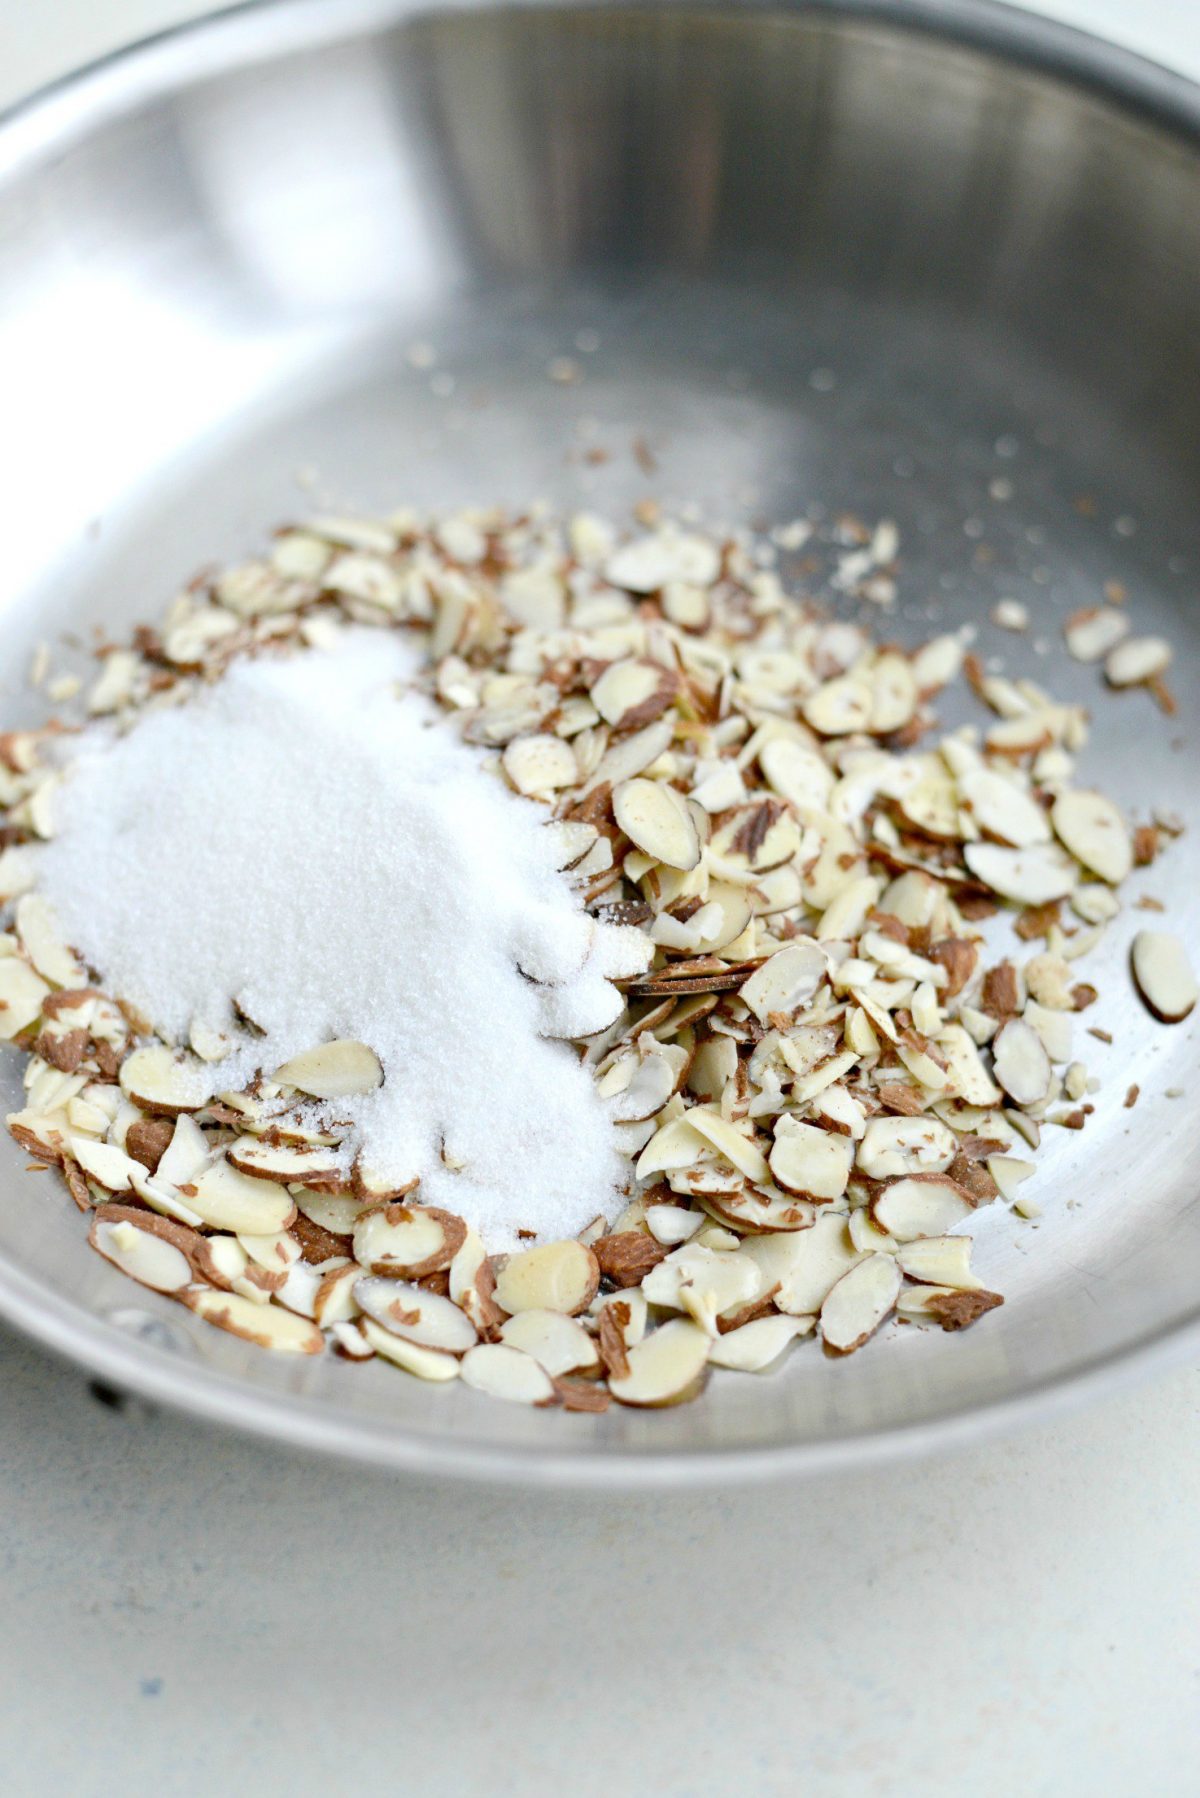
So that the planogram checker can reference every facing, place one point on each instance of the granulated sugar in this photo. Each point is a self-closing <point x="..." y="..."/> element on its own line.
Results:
<point x="298" y="838"/>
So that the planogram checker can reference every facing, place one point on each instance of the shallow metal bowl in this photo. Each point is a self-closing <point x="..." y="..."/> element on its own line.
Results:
<point x="935" y="262"/>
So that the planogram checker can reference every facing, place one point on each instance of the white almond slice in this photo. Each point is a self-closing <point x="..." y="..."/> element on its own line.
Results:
<point x="282" y="1161"/>
<point x="160" y="1081"/>
<point x="803" y="1266"/>
<point x="22" y="995"/>
<point x="143" y="1254"/>
<point x="672" y="1224"/>
<point x="859" y="1303"/>
<point x="674" y="1145"/>
<point x="333" y="1211"/>
<point x="840" y="706"/>
<point x="657" y="819"/>
<point x="937" y="663"/>
<point x="226" y="1199"/>
<point x="350" y="1342"/>
<point x="164" y="1199"/>
<point x="932" y="807"/>
<point x="1021" y="1063"/>
<point x="407" y="1242"/>
<point x="1032" y="876"/>
<point x="507" y="1373"/>
<point x="540" y="764"/>
<point x="866" y="1235"/>
<point x="745" y="1155"/>
<point x="1135" y="660"/>
<point x="650" y="1080"/>
<point x="665" y="1368"/>
<point x="894" y="693"/>
<point x="1091" y="634"/>
<point x="1163" y="975"/>
<point x="1002" y="810"/>
<point x="1009" y="1172"/>
<point x="554" y="1276"/>
<point x="425" y="1363"/>
<point x="1092" y="828"/>
<point x="757" y="1345"/>
<point x="557" y="1343"/>
<point x="627" y="688"/>
<point x="966" y="1076"/>
<point x="939" y="1261"/>
<point x="186" y="1155"/>
<point x="796" y="772"/>
<point x="921" y="1205"/>
<point x="108" y="1166"/>
<point x="893" y="1146"/>
<point x="42" y="942"/>
<point x="651" y="563"/>
<point x="704" y="1282"/>
<point x="1054" y="1029"/>
<point x="269" y="1326"/>
<point x="812" y="1162"/>
<point x="426" y="1318"/>
<point x="628" y="757"/>
<point x="788" y="981"/>
<point x="335" y="1070"/>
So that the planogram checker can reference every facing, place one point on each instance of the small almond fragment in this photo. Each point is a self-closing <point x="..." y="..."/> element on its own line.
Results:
<point x="1136" y="660"/>
<point x="627" y="1256"/>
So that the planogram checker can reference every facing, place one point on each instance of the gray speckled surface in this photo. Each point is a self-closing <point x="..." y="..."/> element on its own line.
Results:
<point x="187" y="1613"/>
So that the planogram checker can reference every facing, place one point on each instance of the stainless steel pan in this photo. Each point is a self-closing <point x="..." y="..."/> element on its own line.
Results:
<point x="903" y="259"/>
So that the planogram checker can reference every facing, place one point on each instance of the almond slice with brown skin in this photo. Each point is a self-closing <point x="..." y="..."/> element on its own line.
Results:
<point x="143" y="1251"/>
<point x="160" y="1081"/>
<point x="814" y="1163"/>
<point x="1021" y="1063"/>
<point x="1163" y="975"/>
<point x="1091" y="634"/>
<point x="282" y="1162"/>
<point x="507" y="1373"/>
<point x="893" y="1146"/>
<point x="554" y="1276"/>
<point x="657" y="819"/>
<point x="1136" y="660"/>
<point x="921" y="1205"/>
<point x="416" y="1314"/>
<point x="335" y="1070"/>
<point x="540" y="765"/>
<point x="269" y="1326"/>
<point x="665" y="1368"/>
<point x="787" y="981"/>
<point x="1092" y="828"/>
<point x="859" y="1303"/>
<point x="425" y="1363"/>
<point x="407" y="1242"/>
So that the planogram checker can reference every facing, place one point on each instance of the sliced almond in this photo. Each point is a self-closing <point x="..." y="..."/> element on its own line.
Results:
<point x="1091" y="634"/>
<point x="859" y="1303"/>
<point x="505" y="1372"/>
<point x="42" y="942"/>
<point x="1092" y="828"/>
<point x="425" y="1363"/>
<point x="143" y="1252"/>
<point x="557" y="1343"/>
<point x="665" y="1368"/>
<point x="812" y="1162"/>
<point x="1136" y="660"/>
<point x="22" y="995"/>
<point x="226" y="1199"/>
<point x="1003" y="810"/>
<point x="657" y="819"/>
<point x="938" y="1261"/>
<point x="894" y="1146"/>
<point x="160" y="1081"/>
<point x="540" y="764"/>
<point x="418" y="1315"/>
<point x="921" y="1205"/>
<point x="744" y="1154"/>
<point x="801" y="1268"/>
<point x="1163" y="975"/>
<point x="758" y="1344"/>
<point x="108" y="1166"/>
<point x="335" y="1070"/>
<point x="1031" y="876"/>
<point x="407" y="1242"/>
<point x="268" y="1326"/>
<point x="788" y="981"/>
<point x="1021" y="1063"/>
<point x="289" y="1165"/>
<point x="554" y="1276"/>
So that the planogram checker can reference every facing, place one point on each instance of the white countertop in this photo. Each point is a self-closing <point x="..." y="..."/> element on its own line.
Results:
<point x="185" y="1612"/>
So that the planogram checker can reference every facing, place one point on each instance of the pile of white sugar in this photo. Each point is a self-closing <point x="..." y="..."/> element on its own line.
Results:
<point x="301" y="839"/>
